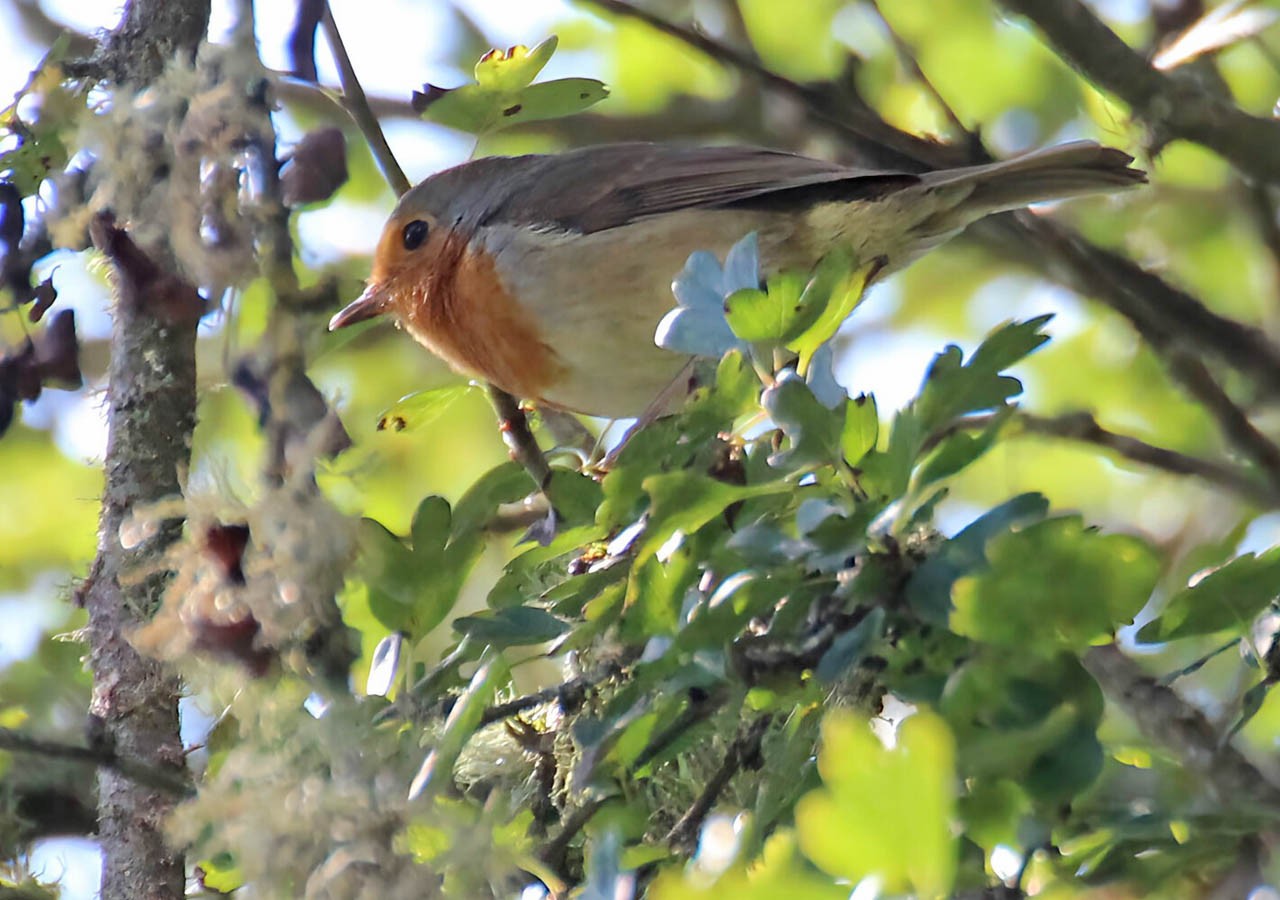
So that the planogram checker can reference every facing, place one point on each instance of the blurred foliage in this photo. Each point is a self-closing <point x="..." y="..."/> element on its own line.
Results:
<point x="864" y="622"/>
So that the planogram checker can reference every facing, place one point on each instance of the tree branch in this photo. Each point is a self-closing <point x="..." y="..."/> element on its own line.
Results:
<point x="838" y="107"/>
<point x="744" y="752"/>
<point x="1164" y="718"/>
<point x="1232" y="420"/>
<point x="1082" y="426"/>
<point x="161" y="778"/>
<point x="568" y="695"/>
<point x="1171" y="105"/>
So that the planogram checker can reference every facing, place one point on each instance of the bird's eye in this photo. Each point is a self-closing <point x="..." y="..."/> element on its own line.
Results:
<point x="414" y="234"/>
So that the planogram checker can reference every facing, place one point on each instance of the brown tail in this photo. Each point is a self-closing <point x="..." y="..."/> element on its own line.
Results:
<point x="1054" y="173"/>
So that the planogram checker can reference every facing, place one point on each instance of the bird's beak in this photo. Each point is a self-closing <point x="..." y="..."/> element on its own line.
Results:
<point x="373" y="302"/>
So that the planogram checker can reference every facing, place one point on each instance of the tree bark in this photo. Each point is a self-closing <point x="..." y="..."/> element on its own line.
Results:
<point x="150" y="34"/>
<point x="151" y="413"/>
<point x="151" y="399"/>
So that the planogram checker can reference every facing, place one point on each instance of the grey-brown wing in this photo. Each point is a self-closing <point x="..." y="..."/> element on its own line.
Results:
<point x="597" y="188"/>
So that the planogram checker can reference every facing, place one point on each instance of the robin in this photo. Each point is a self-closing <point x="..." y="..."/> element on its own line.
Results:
<point x="546" y="275"/>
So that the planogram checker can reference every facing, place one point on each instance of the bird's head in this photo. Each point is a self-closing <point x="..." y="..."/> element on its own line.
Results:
<point x="413" y="247"/>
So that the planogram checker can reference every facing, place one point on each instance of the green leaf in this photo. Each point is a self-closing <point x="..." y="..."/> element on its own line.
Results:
<point x="1015" y="714"/>
<point x="390" y="571"/>
<point x="835" y="289"/>
<point x="775" y="315"/>
<point x="655" y="594"/>
<point x="220" y="873"/>
<point x="884" y="813"/>
<point x="1250" y="706"/>
<point x="474" y="510"/>
<point x="437" y="769"/>
<point x="686" y="501"/>
<point x="754" y="315"/>
<point x="959" y="450"/>
<point x="813" y="431"/>
<point x="575" y="496"/>
<point x="1055" y="584"/>
<point x="516" y="67"/>
<point x="1228" y="597"/>
<point x="413" y="589"/>
<point x="955" y="388"/>
<point x="1067" y="768"/>
<point x="503" y="94"/>
<point x="430" y="528"/>
<point x="861" y="428"/>
<point x="991" y="811"/>
<point x="39" y="147"/>
<point x="421" y="408"/>
<point x="885" y="475"/>
<point x="513" y="626"/>
<point x="930" y="588"/>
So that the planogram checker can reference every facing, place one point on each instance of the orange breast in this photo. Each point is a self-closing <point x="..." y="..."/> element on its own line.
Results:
<point x="462" y="312"/>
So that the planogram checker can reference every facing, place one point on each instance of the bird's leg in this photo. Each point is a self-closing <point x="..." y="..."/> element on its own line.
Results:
<point x="524" y="449"/>
<point x="519" y="438"/>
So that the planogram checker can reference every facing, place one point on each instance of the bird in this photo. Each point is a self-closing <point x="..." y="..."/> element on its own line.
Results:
<point x="546" y="275"/>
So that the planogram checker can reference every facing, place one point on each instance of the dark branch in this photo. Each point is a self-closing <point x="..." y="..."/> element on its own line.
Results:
<point x="836" y="106"/>
<point x="1081" y="426"/>
<point x="514" y="425"/>
<point x="1267" y="216"/>
<point x="568" y="695"/>
<point x="1232" y="421"/>
<point x="554" y="851"/>
<point x="1171" y="105"/>
<point x="161" y="778"/>
<point x="1164" y="314"/>
<point x="302" y="38"/>
<point x="744" y="753"/>
<point x="908" y="58"/>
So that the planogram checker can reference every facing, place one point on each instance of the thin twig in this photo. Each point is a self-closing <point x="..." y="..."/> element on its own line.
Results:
<point x="302" y="38"/>
<point x="568" y="695"/>
<point x="357" y="106"/>
<point x="744" y="752"/>
<point x="908" y="57"/>
<point x="1232" y="421"/>
<point x="836" y="107"/>
<point x="169" y="780"/>
<point x="1082" y="426"/>
<point x="696" y="711"/>
<point x="553" y="852"/>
